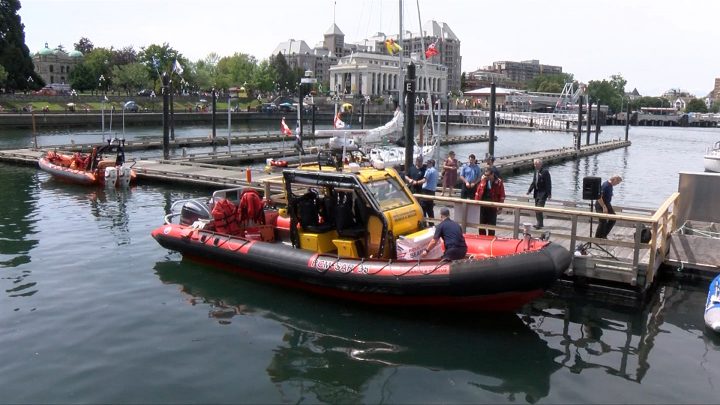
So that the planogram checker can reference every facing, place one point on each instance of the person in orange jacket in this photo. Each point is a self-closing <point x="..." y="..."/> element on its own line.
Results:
<point x="491" y="188"/>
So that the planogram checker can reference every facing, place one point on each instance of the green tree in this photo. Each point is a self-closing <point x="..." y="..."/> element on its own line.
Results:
<point x="3" y="76"/>
<point x="14" y="54"/>
<point x="131" y="77"/>
<point x="123" y="56"/>
<point x="84" y="45"/>
<point x="236" y="70"/>
<point x="99" y="64"/>
<point x="286" y="78"/>
<point x="82" y="78"/>
<point x="618" y="83"/>
<point x="463" y="82"/>
<point x="158" y="59"/>
<point x="204" y="74"/>
<point x="549" y="83"/>
<point x="696" y="105"/>
<point x="264" y="77"/>
<point x="609" y="92"/>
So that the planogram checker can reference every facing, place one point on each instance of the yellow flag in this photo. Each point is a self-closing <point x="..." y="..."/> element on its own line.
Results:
<point x="392" y="47"/>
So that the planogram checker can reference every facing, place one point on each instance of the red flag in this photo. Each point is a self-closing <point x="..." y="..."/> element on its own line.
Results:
<point x="337" y="122"/>
<point x="432" y="50"/>
<point x="284" y="128"/>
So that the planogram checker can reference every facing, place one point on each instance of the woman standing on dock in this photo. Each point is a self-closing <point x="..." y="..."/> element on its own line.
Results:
<point x="449" y="174"/>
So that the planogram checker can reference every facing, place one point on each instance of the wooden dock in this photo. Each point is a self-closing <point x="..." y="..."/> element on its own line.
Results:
<point x="622" y="265"/>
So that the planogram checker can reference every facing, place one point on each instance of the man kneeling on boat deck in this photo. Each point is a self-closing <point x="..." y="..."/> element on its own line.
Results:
<point x="451" y="234"/>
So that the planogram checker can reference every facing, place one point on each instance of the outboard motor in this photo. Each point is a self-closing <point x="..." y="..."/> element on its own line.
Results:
<point x="193" y="210"/>
<point x="124" y="176"/>
<point x="111" y="176"/>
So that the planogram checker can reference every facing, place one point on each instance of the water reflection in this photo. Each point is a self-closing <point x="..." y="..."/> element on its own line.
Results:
<point x="617" y="339"/>
<point x="109" y="205"/>
<point x="336" y="351"/>
<point x="17" y="229"/>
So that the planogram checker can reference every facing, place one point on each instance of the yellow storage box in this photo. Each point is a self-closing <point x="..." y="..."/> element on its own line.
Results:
<point x="347" y="248"/>
<point x="318" y="242"/>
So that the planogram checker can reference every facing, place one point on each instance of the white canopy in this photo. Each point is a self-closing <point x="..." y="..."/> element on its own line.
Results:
<point x="485" y="91"/>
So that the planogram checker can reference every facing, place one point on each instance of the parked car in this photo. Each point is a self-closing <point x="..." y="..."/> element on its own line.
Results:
<point x="146" y="93"/>
<point x="131" y="106"/>
<point x="287" y="107"/>
<point x="268" y="108"/>
<point x="46" y="91"/>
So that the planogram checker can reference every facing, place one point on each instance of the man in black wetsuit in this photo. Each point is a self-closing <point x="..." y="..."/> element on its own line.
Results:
<point x="451" y="234"/>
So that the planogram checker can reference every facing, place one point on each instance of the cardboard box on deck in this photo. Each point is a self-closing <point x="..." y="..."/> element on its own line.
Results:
<point x="410" y="247"/>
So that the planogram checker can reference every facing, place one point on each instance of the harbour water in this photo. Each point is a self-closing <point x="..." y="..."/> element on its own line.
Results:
<point x="92" y="310"/>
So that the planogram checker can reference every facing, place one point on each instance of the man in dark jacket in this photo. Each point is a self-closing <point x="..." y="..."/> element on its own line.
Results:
<point x="452" y="235"/>
<point x="541" y="187"/>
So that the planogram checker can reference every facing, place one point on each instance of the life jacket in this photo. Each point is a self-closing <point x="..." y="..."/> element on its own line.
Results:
<point x="250" y="208"/>
<point x="79" y="161"/>
<point x="224" y="217"/>
<point x="497" y="190"/>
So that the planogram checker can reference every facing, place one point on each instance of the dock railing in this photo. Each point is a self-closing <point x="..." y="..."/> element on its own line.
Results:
<point x="631" y="261"/>
<point x="624" y="257"/>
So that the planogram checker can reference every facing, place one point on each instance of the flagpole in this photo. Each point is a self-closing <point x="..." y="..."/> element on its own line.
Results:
<point x="401" y="102"/>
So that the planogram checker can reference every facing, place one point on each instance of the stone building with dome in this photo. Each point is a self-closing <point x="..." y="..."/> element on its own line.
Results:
<point x="55" y="65"/>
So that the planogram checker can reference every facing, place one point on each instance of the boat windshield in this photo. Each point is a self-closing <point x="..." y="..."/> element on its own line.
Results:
<point x="389" y="194"/>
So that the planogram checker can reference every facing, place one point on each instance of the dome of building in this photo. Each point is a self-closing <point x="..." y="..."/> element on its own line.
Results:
<point x="46" y="50"/>
<point x="75" y="54"/>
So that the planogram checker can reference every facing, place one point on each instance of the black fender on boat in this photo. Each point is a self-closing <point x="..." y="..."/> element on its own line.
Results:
<point x="526" y="271"/>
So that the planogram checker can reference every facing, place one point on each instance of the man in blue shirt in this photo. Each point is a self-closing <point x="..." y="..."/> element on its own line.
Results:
<point x="452" y="236"/>
<point x="429" y="185"/>
<point x="604" y="205"/>
<point x="470" y="176"/>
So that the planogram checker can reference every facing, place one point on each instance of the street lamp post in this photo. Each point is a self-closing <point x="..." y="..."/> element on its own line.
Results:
<point x="101" y="81"/>
<point x="123" y="121"/>
<point x="310" y="80"/>
<point x="447" y="114"/>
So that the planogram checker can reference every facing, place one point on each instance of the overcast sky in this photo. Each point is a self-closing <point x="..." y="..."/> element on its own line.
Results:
<point x="655" y="45"/>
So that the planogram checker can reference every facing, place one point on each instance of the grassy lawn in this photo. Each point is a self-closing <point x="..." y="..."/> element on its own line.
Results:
<point x="51" y="105"/>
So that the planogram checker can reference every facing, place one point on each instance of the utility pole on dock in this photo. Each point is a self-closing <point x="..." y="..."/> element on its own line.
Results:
<point x="214" y="109"/>
<point x="491" y="133"/>
<point x="597" y="123"/>
<point x="166" y="116"/>
<point x="578" y="140"/>
<point x="589" y="121"/>
<point x="627" y="121"/>
<point x="409" y="91"/>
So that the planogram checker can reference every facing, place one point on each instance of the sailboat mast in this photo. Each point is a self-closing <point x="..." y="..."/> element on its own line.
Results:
<point x="431" y="116"/>
<point x="401" y="85"/>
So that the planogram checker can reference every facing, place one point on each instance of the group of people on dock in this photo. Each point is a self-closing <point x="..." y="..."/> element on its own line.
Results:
<point x="485" y="183"/>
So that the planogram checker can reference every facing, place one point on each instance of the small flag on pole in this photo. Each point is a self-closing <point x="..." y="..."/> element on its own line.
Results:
<point x="284" y="129"/>
<point x="392" y="47"/>
<point x="155" y="65"/>
<point x="177" y="68"/>
<point x="432" y="50"/>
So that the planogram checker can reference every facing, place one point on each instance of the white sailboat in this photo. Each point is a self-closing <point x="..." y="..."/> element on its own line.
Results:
<point x="389" y="132"/>
<point x="712" y="158"/>
<point x="425" y="147"/>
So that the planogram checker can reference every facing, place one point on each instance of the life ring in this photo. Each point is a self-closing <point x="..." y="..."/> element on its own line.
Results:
<point x="278" y="163"/>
